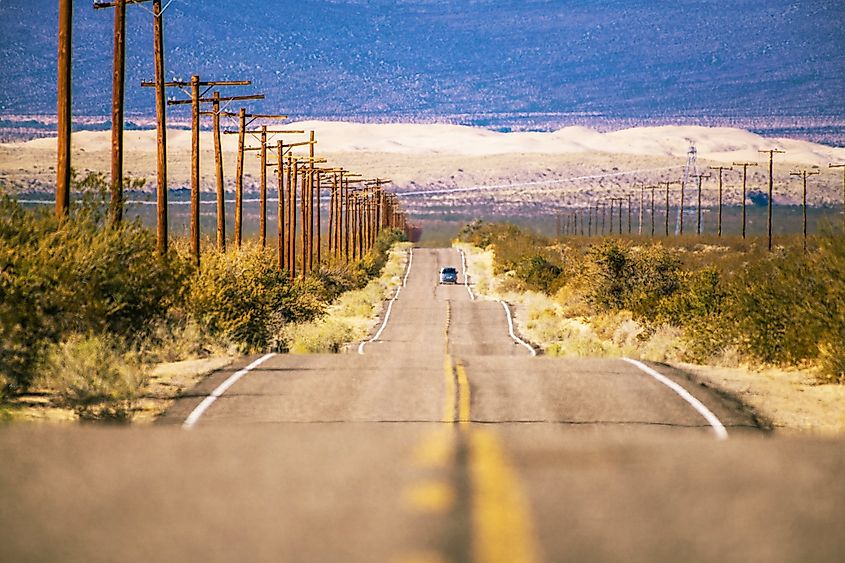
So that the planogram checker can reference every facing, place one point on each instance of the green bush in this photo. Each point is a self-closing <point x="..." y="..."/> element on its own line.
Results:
<point x="538" y="274"/>
<point x="243" y="297"/>
<point x="76" y="276"/>
<point x="829" y="266"/>
<point x="770" y="310"/>
<point x="613" y="272"/>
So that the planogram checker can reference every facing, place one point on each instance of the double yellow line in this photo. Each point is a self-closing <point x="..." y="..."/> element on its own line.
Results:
<point x="502" y="531"/>
<point x="457" y="400"/>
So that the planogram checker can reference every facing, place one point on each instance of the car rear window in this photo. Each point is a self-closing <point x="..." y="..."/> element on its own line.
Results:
<point x="449" y="271"/>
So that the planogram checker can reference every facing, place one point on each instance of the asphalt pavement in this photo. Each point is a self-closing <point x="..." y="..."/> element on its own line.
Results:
<point x="443" y="440"/>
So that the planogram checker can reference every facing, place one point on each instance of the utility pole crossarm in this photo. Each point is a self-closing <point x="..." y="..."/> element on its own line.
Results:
<point x="184" y="84"/>
<point x="258" y="132"/>
<point x="101" y="5"/>
<point x="252" y="115"/>
<point x="220" y="99"/>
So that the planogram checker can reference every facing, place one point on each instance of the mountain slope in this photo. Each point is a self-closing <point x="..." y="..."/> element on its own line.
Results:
<point x="473" y="61"/>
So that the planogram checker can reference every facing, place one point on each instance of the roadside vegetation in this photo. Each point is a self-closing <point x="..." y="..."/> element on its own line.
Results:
<point x="87" y="309"/>
<point x="717" y="301"/>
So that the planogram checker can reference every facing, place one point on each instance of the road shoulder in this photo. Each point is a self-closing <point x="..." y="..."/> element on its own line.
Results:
<point x="789" y="401"/>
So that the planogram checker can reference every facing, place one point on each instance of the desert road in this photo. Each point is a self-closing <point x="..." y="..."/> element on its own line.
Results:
<point x="444" y="439"/>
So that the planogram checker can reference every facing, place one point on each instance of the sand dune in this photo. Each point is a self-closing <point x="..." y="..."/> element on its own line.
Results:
<point x="718" y="144"/>
<point x="571" y="166"/>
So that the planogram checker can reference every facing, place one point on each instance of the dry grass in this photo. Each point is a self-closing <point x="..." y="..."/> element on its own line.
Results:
<point x="790" y="399"/>
<point x="164" y="384"/>
<point x="352" y="316"/>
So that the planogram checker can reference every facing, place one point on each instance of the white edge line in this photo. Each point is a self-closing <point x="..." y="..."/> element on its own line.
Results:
<point x="718" y="427"/>
<point x="510" y="329"/>
<point x="466" y="276"/>
<point x="195" y="415"/>
<point x="389" y="306"/>
<point x="408" y="271"/>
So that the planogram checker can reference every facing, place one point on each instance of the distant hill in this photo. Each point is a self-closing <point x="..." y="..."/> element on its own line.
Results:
<point x="508" y="63"/>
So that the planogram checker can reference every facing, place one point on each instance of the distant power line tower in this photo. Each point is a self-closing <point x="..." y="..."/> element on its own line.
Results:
<point x="690" y="172"/>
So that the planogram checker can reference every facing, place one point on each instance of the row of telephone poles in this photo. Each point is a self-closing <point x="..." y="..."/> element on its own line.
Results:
<point x="595" y="219"/>
<point x="358" y="208"/>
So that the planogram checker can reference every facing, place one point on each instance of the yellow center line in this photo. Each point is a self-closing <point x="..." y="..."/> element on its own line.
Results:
<point x="463" y="396"/>
<point x="451" y="392"/>
<point x="502" y="531"/>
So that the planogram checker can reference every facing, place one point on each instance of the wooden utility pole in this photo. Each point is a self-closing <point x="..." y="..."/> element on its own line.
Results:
<point x="599" y="204"/>
<point x="803" y="174"/>
<point x="642" y="206"/>
<point x="589" y="220"/>
<point x="310" y="194"/>
<point x="195" y="168"/>
<point x="620" y="201"/>
<point x="161" y="129"/>
<point x="195" y="101"/>
<point x="64" y="108"/>
<point x="720" y="169"/>
<point x="218" y="168"/>
<point x="772" y="153"/>
<point x="842" y="166"/>
<point x="280" y="235"/>
<point x="118" y="95"/>
<point x="667" y="185"/>
<point x="651" y="189"/>
<point x="629" y="214"/>
<point x="291" y="175"/>
<point x="745" y="166"/>
<point x="701" y="178"/>
<point x="239" y="188"/>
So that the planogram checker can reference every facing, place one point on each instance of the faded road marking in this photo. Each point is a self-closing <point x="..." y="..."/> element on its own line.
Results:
<point x="222" y="388"/>
<point x="718" y="427"/>
<point x="420" y="557"/>
<point x="501" y="522"/>
<point x="430" y="497"/>
<point x="436" y="451"/>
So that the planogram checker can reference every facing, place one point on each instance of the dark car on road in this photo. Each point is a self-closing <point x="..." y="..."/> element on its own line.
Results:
<point x="448" y="275"/>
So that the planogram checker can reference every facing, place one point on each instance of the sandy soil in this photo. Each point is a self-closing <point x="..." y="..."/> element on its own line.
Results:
<point x="790" y="400"/>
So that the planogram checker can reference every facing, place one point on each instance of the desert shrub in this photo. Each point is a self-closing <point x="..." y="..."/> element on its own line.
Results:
<point x="612" y="275"/>
<point x="243" y="297"/>
<point x="327" y="335"/>
<point x="537" y="273"/>
<point x="769" y="311"/>
<point x="699" y="298"/>
<point x="829" y="267"/>
<point x="656" y="279"/>
<point x="180" y="337"/>
<point x="76" y="276"/>
<point x="95" y="377"/>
